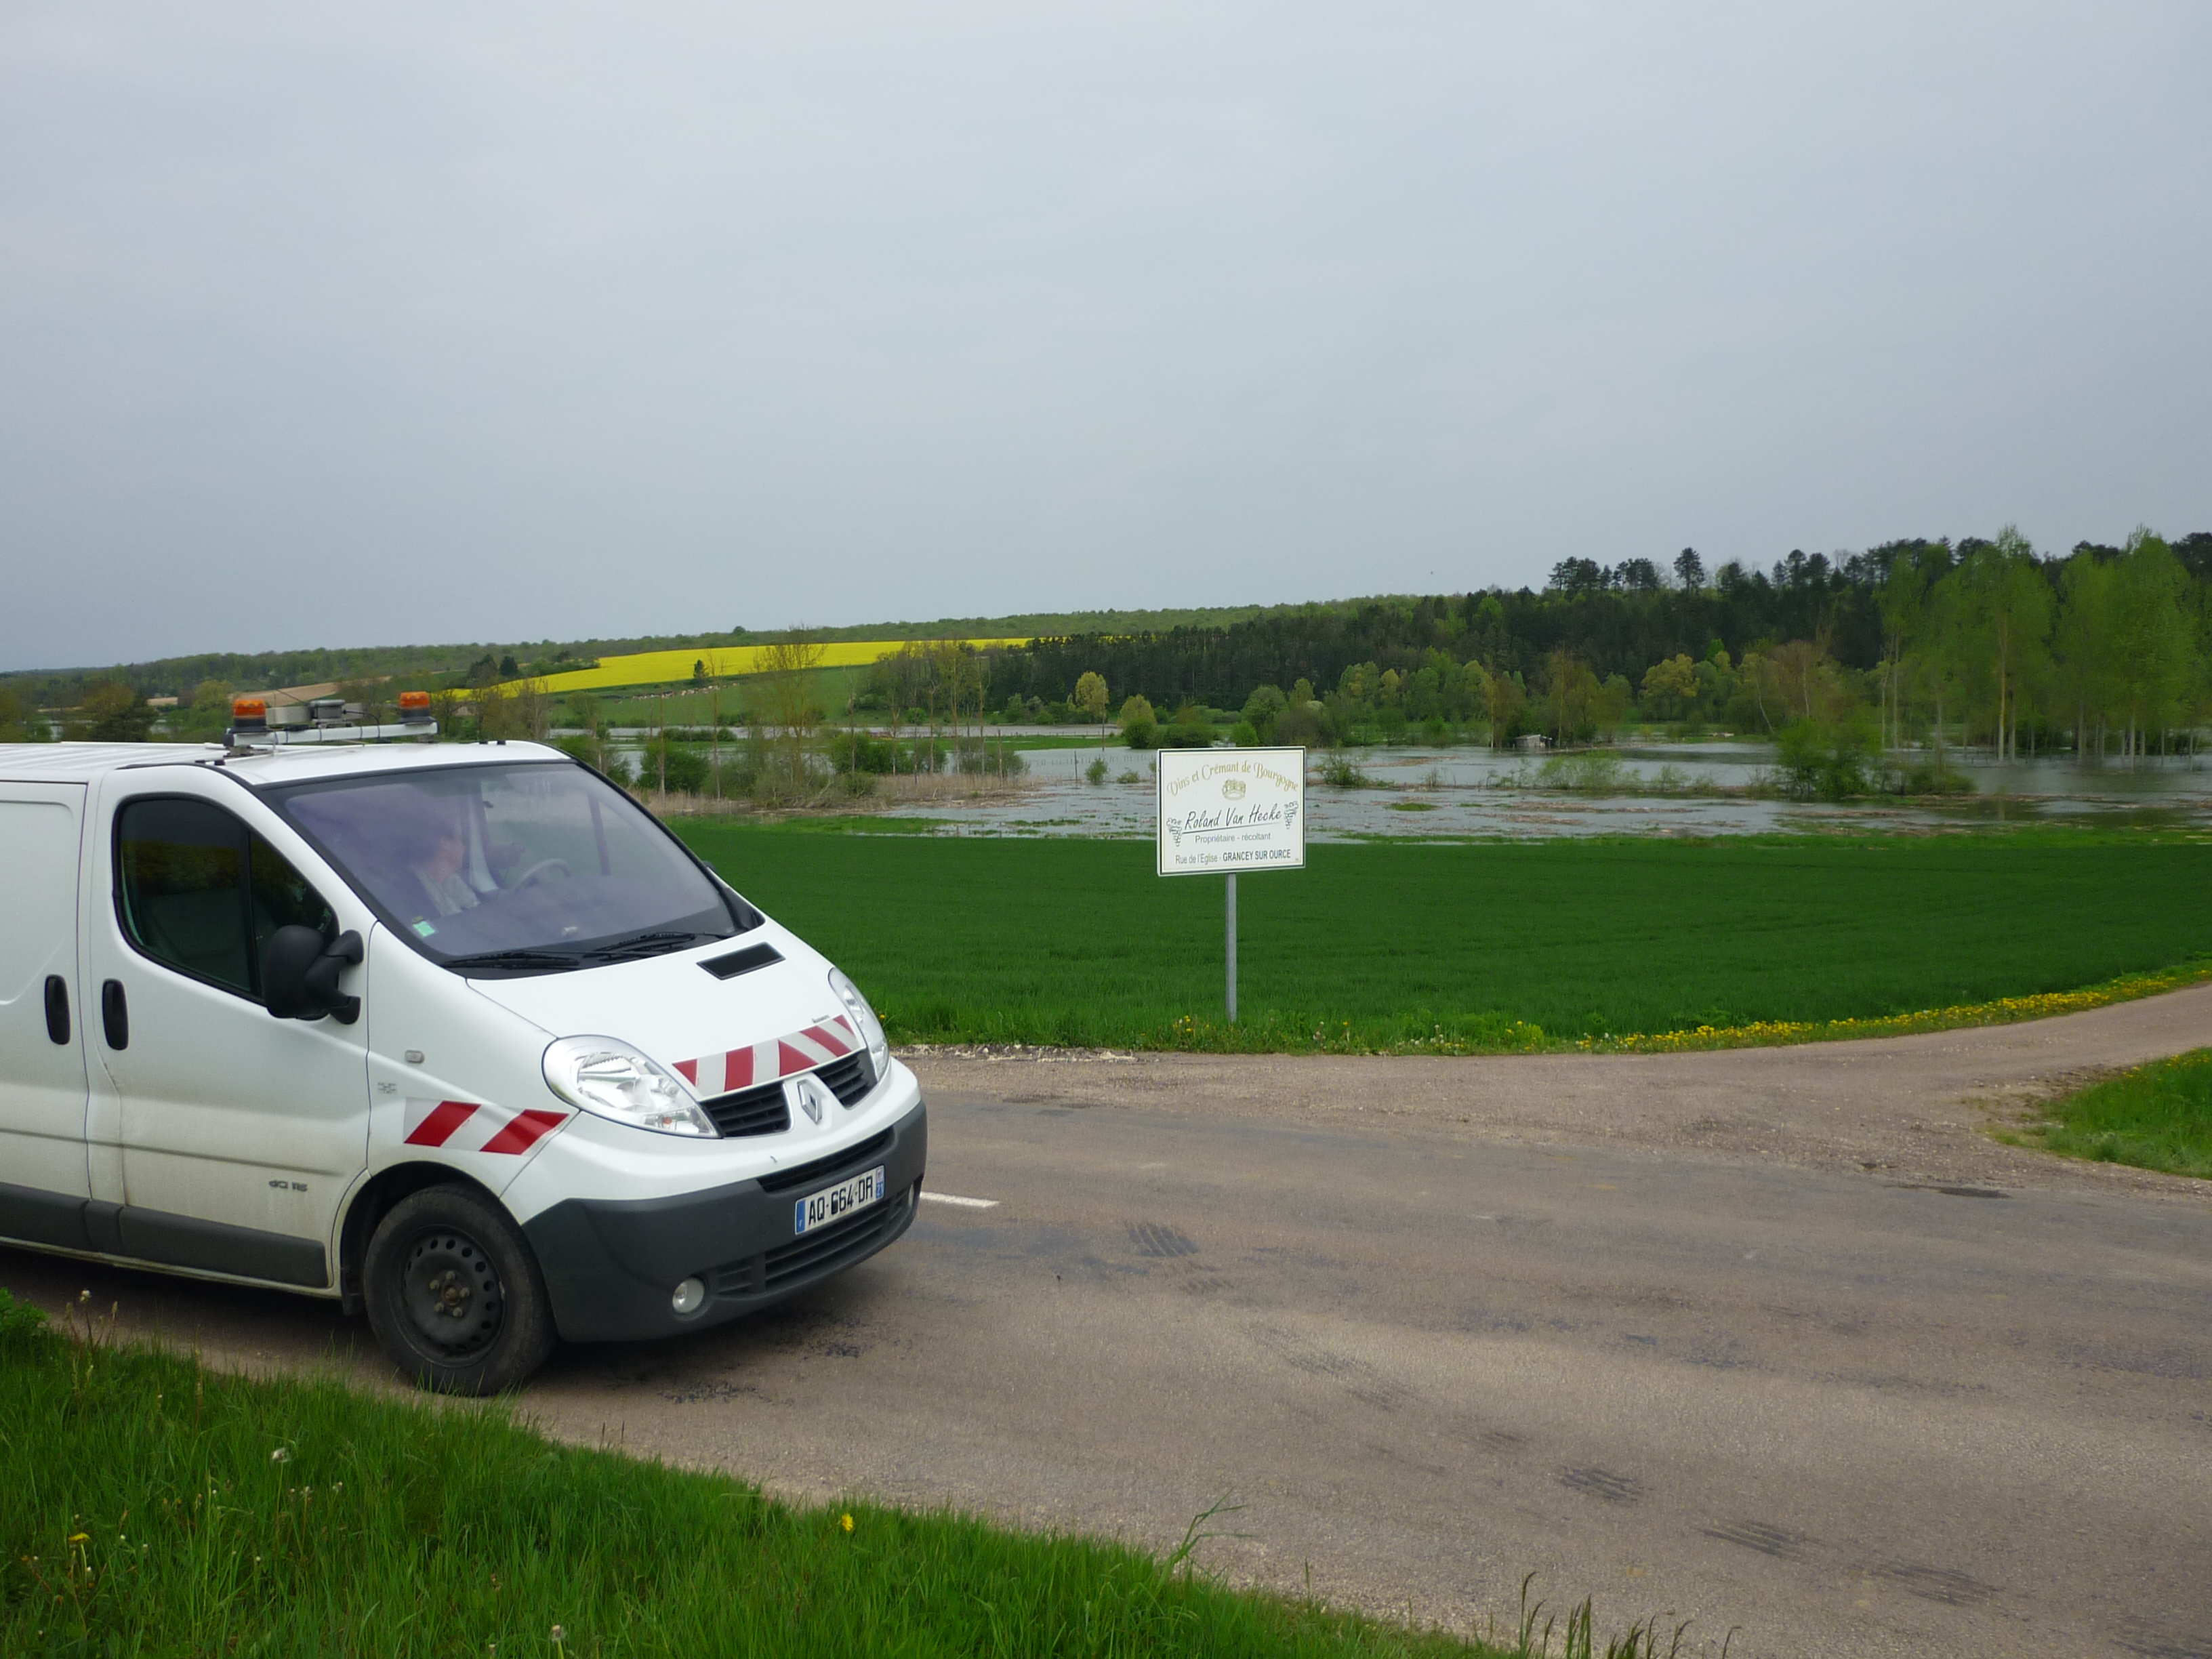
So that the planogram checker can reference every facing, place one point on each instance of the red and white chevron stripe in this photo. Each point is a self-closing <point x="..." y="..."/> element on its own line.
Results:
<point x="764" y="1062"/>
<point x="458" y="1126"/>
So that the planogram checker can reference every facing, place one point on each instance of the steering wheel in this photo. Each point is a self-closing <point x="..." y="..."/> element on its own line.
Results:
<point x="543" y="867"/>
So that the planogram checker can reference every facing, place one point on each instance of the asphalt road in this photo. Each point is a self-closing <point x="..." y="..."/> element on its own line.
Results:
<point x="1840" y="1410"/>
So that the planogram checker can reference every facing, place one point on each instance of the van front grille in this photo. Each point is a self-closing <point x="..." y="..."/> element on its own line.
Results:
<point x="816" y="1255"/>
<point x="738" y="1279"/>
<point x="812" y="1254"/>
<point x="762" y="1111"/>
<point x="850" y="1079"/>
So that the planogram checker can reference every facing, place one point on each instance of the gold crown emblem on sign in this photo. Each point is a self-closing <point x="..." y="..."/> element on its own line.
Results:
<point x="1233" y="789"/>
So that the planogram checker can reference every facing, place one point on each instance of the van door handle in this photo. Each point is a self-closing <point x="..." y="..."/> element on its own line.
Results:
<point x="115" y="1015"/>
<point x="57" y="1008"/>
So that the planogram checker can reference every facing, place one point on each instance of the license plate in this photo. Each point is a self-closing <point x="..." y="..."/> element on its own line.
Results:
<point x="834" y="1203"/>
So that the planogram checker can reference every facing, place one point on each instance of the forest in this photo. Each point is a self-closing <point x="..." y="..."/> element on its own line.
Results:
<point x="1986" y="641"/>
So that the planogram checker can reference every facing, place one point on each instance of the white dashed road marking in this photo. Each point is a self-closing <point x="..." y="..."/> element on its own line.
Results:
<point x="964" y="1203"/>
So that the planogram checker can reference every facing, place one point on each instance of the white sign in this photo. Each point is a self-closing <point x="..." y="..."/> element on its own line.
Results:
<point x="1225" y="810"/>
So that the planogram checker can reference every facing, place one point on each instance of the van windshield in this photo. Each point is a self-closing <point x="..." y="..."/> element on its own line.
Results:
<point x="514" y="869"/>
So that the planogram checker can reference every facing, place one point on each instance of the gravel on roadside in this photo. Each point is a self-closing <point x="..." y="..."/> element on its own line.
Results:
<point x="1925" y="1109"/>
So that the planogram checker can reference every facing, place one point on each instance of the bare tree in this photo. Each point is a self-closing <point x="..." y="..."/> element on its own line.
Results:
<point x="789" y="676"/>
<point x="520" y="708"/>
<point x="532" y="708"/>
<point x="447" y="706"/>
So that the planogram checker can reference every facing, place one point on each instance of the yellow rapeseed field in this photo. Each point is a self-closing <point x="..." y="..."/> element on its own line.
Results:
<point x="722" y="662"/>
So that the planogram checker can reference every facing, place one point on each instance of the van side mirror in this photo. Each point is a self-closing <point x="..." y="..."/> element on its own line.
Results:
<point x="299" y="975"/>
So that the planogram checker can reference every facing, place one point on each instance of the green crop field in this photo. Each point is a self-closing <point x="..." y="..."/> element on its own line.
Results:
<point x="1073" y="941"/>
<point x="682" y="704"/>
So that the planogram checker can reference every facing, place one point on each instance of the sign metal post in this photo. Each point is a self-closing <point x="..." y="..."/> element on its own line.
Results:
<point x="1230" y="810"/>
<point x="1231" y="951"/>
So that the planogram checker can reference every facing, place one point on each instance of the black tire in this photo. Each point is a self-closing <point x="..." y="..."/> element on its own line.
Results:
<point x="454" y="1294"/>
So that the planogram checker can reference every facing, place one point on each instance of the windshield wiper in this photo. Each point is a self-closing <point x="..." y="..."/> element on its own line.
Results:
<point x="648" y="945"/>
<point x="550" y="961"/>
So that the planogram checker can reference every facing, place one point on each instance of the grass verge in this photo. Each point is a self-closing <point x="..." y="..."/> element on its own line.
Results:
<point x="1504" y="947"/>
<point x="2001" y="1011"/>
<point x="2157" y="1116"/>
<point x="148" y="1506"/>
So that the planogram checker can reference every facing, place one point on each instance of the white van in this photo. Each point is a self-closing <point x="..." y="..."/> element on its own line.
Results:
<point x="455" y="1033"/>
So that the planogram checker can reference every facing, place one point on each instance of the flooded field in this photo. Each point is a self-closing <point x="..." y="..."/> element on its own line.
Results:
<point x="1417" y="792"/>
<point x="1660" y="789"/>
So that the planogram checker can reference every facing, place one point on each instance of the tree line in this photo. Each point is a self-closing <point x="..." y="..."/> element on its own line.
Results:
<point x="2105" y="649"/>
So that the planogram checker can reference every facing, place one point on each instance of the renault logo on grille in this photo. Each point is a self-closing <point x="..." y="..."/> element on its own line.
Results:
<point x="809" y="1096"/>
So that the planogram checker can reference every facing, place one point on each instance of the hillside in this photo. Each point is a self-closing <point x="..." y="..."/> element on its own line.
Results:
<point x="171" y="676"/>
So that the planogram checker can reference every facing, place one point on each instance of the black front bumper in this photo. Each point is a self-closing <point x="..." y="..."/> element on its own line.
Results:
<point x="611" y="1265"/>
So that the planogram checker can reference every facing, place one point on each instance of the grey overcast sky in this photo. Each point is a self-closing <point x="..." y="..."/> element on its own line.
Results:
<point x="326" y="325"/>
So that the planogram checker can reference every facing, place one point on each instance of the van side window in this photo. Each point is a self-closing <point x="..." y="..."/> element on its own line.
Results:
<point x="201" y="893"/>
<point x="282" y="898"/>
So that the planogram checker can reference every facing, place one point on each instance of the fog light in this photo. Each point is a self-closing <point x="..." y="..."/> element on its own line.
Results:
<point x="690" y="1296"/>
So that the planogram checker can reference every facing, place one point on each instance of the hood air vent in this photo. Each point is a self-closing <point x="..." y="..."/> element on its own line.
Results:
<point x="742" y="962"/>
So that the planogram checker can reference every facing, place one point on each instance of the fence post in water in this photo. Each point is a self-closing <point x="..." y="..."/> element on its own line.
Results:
<point x="1232" y="879"/>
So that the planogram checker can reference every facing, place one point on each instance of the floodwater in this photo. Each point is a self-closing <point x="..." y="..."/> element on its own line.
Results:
<point x="1656" y="789"/>
<point x="1422" y="793"/>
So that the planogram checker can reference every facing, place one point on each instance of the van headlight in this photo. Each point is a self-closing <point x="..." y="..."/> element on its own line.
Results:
<point x="870" y="1028"/>
<point x="615" y="1081"/>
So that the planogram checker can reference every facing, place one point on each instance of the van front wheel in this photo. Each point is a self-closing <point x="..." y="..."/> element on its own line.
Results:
<point x="454" y="1294"/>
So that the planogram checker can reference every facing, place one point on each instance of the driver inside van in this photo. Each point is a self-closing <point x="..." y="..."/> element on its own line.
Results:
<point x="442" y="854"/>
